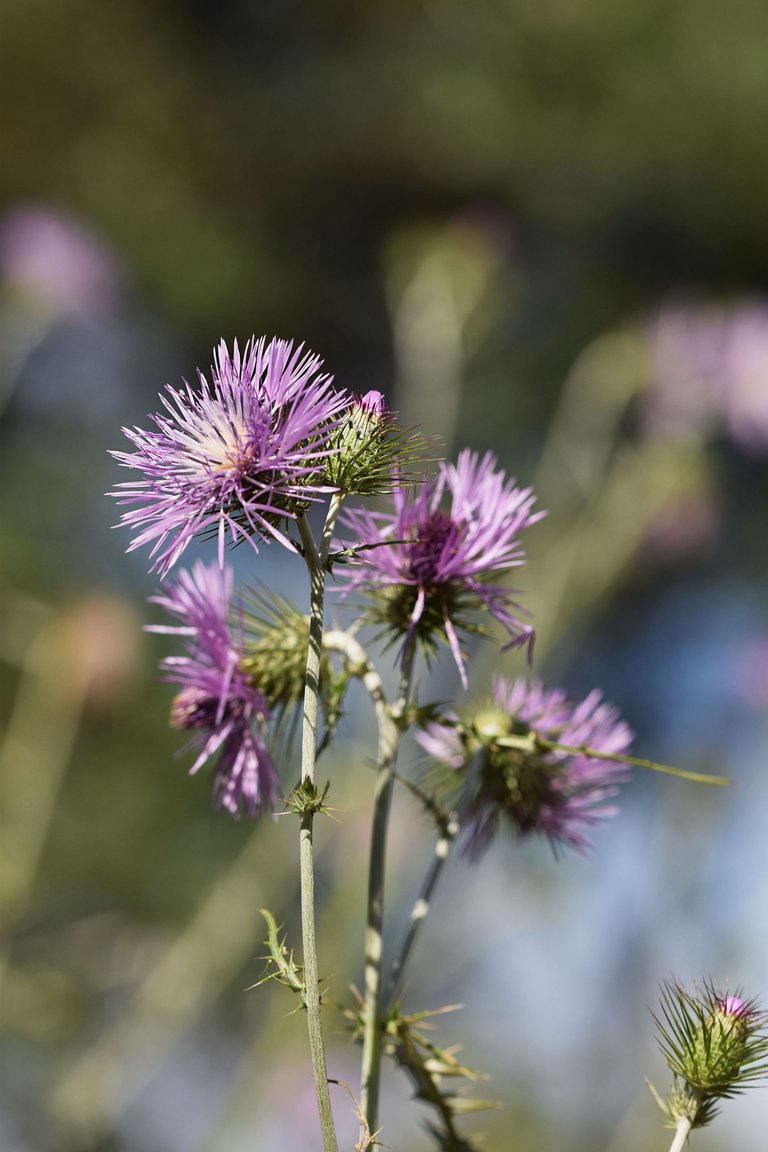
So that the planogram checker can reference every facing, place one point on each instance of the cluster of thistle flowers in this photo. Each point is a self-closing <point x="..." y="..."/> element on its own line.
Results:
<point x="242" y="459"/>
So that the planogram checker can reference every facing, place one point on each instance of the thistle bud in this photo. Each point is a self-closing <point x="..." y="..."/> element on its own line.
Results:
<point x="369" y="453"/>
<point x="720" y="1045"/>
<point x="715" y="1046"/>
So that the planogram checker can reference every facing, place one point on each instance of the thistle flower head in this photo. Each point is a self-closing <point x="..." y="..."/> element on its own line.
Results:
<point x="715" y="1044"/>
<point x="502" y="749"/>
<point x="233" y="458"/>
<point x="426" y="565"/>
<point x="218" y="701"/>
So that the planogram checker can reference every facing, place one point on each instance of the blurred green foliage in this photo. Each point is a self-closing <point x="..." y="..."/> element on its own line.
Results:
<point x="252" y="157"/>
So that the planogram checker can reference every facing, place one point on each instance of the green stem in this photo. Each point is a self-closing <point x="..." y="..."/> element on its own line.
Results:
<point x="421" y="908"/>
<point x="533" y="742"/>
<point x="681" y="1135"/>
<point x="694" y="1098"/>
<point x="315" y="560"/>
<point x="637" y="761"/>
<point x="389" y="741"/>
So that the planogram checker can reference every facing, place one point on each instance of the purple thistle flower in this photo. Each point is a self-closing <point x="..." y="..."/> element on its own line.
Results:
<point x="235" y="457"/>
<point x="557" y="793"/>
<point x="745" y="375"/>
<point x="710" y="364"/>
<point x="425" y="565"/>
<point x="217" y="700"/>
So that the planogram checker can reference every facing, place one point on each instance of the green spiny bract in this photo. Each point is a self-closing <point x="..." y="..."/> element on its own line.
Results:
<point x="369" y="454"/>
<point x="715" y="1046"/>
<point x="275" y="651"/>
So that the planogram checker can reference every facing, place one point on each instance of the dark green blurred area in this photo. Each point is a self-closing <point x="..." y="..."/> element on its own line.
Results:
<point x="474" y="208"/>
<point x="256" y="157"/>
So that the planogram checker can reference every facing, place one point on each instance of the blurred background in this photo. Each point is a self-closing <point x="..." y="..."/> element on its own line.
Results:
<point x="539" y="229"/>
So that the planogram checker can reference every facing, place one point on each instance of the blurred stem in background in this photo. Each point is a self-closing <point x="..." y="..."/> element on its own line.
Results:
<point x="35" y="751"/>
<point x="603" y="493"/>
<point x="439" y="284"/>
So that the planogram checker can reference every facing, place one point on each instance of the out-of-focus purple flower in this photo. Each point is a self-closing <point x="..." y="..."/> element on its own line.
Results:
<point x="709" y="368"/>
<point x="509" y="774"/>
<point x="235" y="457"/>
<point x="425" y="566"/>
<point x="745" y="375"/>
<point x="55" y="261"/>
<point x="217" y="701"/>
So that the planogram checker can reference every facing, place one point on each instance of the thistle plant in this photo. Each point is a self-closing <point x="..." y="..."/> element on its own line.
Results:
<point x="426" y="567"/>
<point x="716" y="1046"/>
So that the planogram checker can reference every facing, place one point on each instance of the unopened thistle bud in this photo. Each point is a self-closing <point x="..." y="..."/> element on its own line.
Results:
<point x="715" y="1046"/>
<point x="368" y="450"/>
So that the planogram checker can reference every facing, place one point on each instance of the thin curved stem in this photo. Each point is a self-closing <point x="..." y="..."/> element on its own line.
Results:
<point x="421" y="909"/>
<point x="389" y="742"/>
<point x="315" y="560"/>
<point x="533" y="742"/>
<point x="389" y="735"/>
<point x="336" y="640"/>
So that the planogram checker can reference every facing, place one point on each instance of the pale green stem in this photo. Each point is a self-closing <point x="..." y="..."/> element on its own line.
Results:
<point x="685" y="1123"/>
<point x="389" y="741"/>
<point x="421" y="909"/>
<point x="33" y="760"/>
<point x="315" y="560"/>
<point x="360" y="665"/>
<point x="389" y="736"/>
<point x="534" y="742"/>
<point x="681" y="1134"/>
